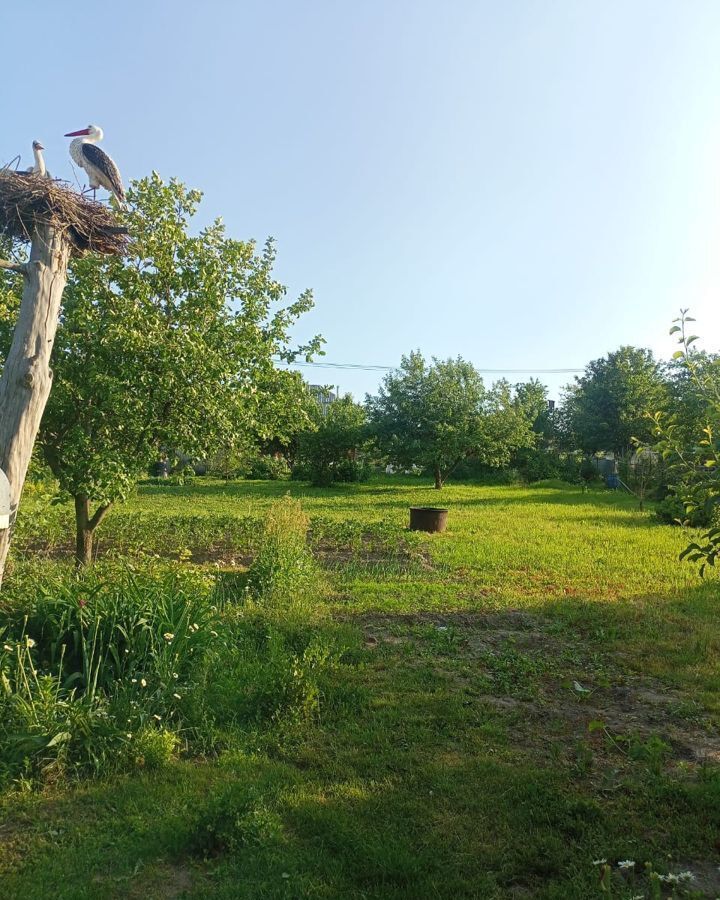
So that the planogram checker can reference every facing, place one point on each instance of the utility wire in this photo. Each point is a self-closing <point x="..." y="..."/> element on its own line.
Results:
<point x="371" y="368"/>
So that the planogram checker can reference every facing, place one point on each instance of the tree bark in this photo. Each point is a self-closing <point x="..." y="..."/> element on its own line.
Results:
<point x="438" y="478"/>
<point x="85" y="526"/>
<point x="83" y="534"/>
<point x="27" y="377"/>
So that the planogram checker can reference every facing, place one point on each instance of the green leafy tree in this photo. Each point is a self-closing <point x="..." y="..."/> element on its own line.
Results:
<point x="689" y="440"/>
<point x="328" y="450"/>
<point x="436" y="415"/>
<point x="607" y="408"/>
<point x="171" y="347"/>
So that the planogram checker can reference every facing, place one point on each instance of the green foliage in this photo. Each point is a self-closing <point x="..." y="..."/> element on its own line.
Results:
<point x="327" y="451"/>
<point x="689" y="440"/>
<point x="607" y="408"/>
<point x="265" y="466"/>
<point x="437" y="415"/>
<point x="97" y="662"/>
<point x="153" y="747"/>
<point x="172" y="346"/>
<point x="284" y="569"/>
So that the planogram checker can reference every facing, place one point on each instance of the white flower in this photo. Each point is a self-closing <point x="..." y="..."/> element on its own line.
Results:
<point x="599" y="862"/>
<point x="128" y="735"/>
<point x="30" y="642"/>
<point x="686" y="876"/>
<point x="134" y="680"/>
<point x="143" y="683"/>
<point x="175" y="674"/>
<point x="7" y="647"/>
<point x="626" y="864"/>
<point x="669" y="879"/>
<point x="168" y="636"/>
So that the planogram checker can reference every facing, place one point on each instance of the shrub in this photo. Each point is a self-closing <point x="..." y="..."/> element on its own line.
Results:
<point x="274" y="468"/>
<point x="153" y="747"/>
<point x="326" y="453"/>
<point x="672" y="511"/>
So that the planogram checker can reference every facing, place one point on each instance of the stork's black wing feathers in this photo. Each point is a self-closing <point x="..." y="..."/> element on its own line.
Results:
<point x="99" y="158"/>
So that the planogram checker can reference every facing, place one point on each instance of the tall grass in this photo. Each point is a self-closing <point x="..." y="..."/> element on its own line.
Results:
<point x="100" y="674"/>
<point x="283" y="570"/>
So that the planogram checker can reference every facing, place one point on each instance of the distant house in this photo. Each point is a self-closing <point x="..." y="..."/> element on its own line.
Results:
<point x="324" y="396"/>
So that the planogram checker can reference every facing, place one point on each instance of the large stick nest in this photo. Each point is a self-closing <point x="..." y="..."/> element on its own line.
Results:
<point x="27" y="201"/>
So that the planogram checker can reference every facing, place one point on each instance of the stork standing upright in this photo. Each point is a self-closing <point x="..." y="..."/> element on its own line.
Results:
<point x="39" y="167"/>
<point x="101" y="170"/>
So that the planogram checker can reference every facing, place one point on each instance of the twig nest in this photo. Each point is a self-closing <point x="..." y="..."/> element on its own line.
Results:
<point x="28" y="200"/>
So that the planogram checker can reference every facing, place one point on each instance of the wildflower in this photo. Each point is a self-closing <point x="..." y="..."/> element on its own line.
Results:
<point x="168" y="636"/>
<point x="128" y="735"/>
<point x="686" y="876"/>
<point x="143" y="683"/>
<point x="599" y="862"/>
<point x="127" y="650"/>
<point x="7" y="647"/>
<point x="626" y="864"/>
<point x="175" y="675"/>
<point x="30" y="642"/>
<point x="669" y="878"/>
<point x="134" y="680"/>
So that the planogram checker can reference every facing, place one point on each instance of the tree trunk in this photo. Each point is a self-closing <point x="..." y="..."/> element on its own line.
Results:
<point x="27" y="377"/>
<point x="83" y="532"/>
<point x="438" y="478"/>
<point x="85" y="526"/>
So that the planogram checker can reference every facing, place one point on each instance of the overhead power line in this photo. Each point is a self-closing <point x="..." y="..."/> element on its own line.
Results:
<point x="371" y="368"/>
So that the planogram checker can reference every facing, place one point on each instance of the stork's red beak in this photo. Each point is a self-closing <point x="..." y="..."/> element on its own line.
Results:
<point x="78" y="133"/>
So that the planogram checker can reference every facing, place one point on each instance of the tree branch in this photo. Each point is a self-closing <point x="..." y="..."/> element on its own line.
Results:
<point x="100" y="514"/>
<point x="20" y="268"/>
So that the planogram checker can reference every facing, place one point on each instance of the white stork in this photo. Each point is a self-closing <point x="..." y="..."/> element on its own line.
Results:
<point x="39" y="167"/>
<point x="101" y="170"/>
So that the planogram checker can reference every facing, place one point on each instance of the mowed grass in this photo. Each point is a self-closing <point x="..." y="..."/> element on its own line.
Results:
<point x="531" y="691"/>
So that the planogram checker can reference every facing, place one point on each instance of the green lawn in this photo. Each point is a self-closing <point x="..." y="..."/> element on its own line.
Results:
<point x="531" y="691"/>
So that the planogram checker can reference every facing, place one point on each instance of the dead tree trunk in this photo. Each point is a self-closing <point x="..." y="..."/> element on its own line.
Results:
<point x="27" y="377"/>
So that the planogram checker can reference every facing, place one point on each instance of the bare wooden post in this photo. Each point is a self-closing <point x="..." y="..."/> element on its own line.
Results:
<point x="27" y="377"/>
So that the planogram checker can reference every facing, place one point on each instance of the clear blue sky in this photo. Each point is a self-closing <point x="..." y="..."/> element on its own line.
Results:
<point x="527" y="184"/>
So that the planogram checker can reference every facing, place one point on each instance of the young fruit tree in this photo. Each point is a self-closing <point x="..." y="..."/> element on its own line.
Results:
<point x="436" y="415"/>
<point x="171" y="348"/>
<point x="58" y="222"/>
